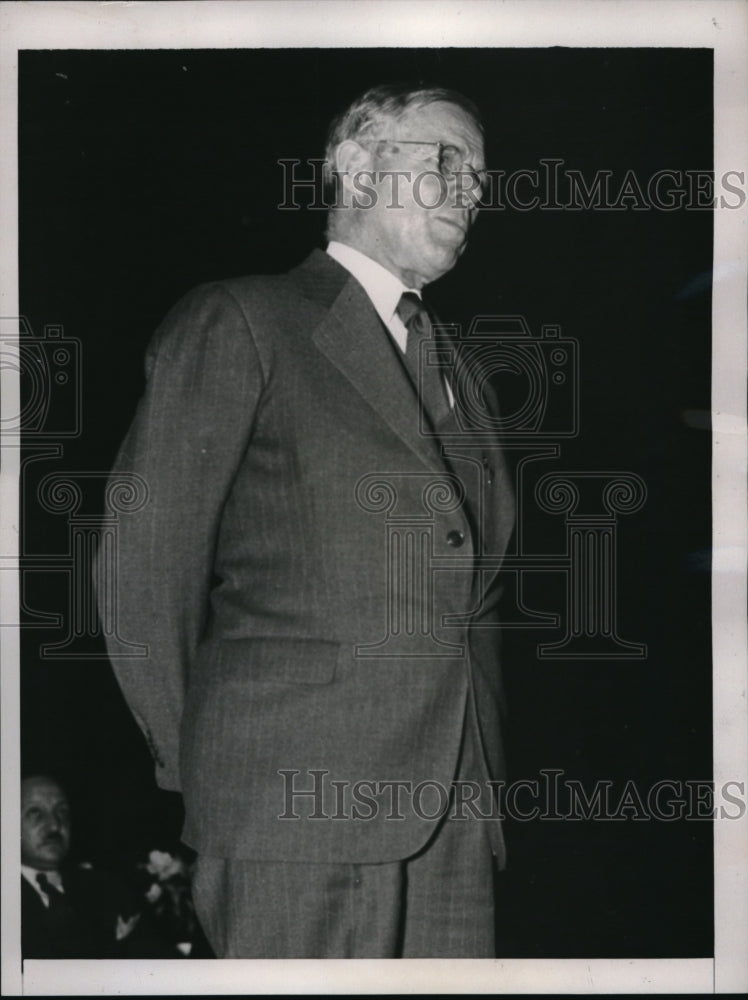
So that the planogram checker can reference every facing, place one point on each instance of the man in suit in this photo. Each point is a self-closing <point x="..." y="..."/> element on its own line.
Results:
<point x="70" y="911"/>
<point x="322" y="673"/>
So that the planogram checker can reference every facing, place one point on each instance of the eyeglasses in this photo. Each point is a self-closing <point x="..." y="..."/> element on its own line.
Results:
<point x="449" y="158"/>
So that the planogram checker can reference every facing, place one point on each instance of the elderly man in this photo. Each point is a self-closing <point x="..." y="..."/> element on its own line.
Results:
<point x="322" y="676"/>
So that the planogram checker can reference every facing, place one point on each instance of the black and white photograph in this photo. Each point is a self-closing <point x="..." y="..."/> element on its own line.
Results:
<point x="373" y="569"/>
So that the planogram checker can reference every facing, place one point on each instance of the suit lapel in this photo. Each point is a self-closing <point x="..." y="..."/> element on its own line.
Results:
<point x="353" y="338"/>
<point x="31" y="898"/>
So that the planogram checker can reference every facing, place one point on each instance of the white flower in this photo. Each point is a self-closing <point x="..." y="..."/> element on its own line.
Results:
<point x="163" y="865"/>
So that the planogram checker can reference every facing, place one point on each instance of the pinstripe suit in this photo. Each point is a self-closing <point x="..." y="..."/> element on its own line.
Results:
<point x="278" y="432"/>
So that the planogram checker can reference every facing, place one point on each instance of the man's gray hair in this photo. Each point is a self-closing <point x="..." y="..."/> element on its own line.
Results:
<point x="385" y="102"/>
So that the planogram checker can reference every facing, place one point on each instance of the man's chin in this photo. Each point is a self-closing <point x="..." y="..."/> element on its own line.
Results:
<point x="444" y="260"/>
<point x="51" y="857"/>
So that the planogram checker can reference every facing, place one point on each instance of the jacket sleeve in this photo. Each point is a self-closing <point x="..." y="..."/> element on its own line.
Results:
<point x="191" y="429"/>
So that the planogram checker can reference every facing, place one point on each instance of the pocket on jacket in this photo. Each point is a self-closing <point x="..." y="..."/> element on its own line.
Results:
<point x="277" y="660"/>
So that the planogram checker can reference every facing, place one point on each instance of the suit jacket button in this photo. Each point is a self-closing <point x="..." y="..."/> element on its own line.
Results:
<point x="455" y="539"/>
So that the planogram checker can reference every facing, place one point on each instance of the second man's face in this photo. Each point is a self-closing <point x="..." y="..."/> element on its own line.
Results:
<point x="45" y="824"/>
<point x="418" y="226"/>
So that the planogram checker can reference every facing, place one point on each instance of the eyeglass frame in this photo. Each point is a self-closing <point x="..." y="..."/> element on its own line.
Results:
<point x="441" y="147"/>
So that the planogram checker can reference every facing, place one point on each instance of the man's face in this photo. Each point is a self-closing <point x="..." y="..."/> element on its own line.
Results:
<point x="45" y="824"/>
<point x="423" y="239"/>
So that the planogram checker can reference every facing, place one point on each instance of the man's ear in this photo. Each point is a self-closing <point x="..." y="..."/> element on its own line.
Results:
<point x="353" y="164"/>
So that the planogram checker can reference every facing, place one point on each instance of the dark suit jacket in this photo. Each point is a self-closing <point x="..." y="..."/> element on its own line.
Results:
<point x="86" y="926"/>
<point x="280" y="442"/>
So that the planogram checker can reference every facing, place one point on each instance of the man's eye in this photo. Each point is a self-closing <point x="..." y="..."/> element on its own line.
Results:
<point x="451" y="157"/>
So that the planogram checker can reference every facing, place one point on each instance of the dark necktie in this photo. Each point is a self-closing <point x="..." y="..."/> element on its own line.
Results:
<point x="56" y="898"/>
<point x="427" y="377"/>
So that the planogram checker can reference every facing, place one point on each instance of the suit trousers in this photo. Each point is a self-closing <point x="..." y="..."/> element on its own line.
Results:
<point x="438" y="903"/>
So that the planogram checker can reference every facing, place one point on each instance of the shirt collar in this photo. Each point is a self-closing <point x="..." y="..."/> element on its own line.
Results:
<point x="55" y="879"/>
<point x="381" y="285"/>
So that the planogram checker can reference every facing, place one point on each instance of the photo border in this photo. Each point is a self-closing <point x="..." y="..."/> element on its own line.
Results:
<point x="721" y="26"/>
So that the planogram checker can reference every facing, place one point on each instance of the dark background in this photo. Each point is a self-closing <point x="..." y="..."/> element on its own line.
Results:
<point x="145" y="173"/>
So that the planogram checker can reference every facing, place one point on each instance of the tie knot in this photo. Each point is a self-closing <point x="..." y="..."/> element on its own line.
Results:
<point x="44" y="884"/>
<point x="413" y="312"/>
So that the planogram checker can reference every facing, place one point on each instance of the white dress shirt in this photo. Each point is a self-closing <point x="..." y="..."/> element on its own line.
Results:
<point x="384" y="290"/>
